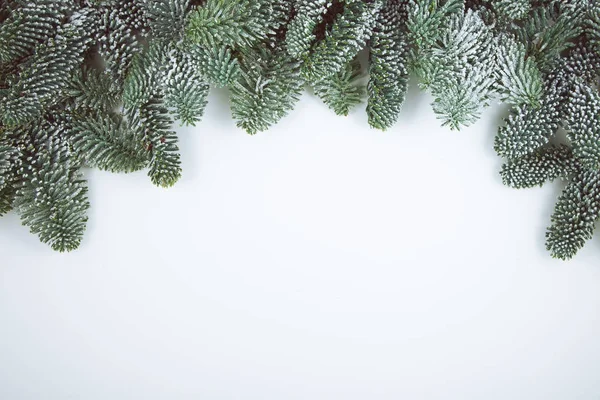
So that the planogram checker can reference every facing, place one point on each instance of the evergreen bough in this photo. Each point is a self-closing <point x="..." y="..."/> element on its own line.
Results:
<point x="100" y="83"/>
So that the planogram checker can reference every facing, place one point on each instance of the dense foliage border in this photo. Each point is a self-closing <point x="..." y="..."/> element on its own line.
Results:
<point x="99" y="83"/>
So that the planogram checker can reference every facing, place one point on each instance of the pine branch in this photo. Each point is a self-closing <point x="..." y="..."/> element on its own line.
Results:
<point x="99" y="82"/>
<point x="122" y="22"/>
<point x="426" y="20"/>
<point x="539" y="167"/>
<point x="268" y="87"/>
<point x="108" y="143"/>
<point x="166" y="18"/>
<point x="583" y="125"/>
<point x="348" y="35"/>
<point x="235" y="23"/>
<point x="91" y="89"/>
<point x="145" y="77"/>
<point x="548" y="32"/>
<point x="185" y="89"/>
<point x="216" y="65"/>
<point x="521" y="81"/>
<point x="527" y="129"/>
<point x="47" y="74"/>
<point x="300" y="35"/>
<point x="593" y="26"/>
<point x="7" y="197"/>
<point x="575" y="215"/>
<point x="30" y="25"/>
<point x="462" y="73"/>
<point x="514" y="10"/>
<point x="388" y="62"/>
<point x="52" y="196"/>
<point x="342" y="91"/>
<point x="161" y="142"/>
<point x="7" y="162"/>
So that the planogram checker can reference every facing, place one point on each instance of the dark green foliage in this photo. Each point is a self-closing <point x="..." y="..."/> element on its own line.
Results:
<point x="8" y="166"/>
<point x="512" y="9"/>
<point x="583" y="125"/>
<point x="91" y="89"/>
<point x="51" y="195"/>
<point x="217" y="65"/>
<point x="549" y="31"/>
<point x="341" y="91"/>
<point x="575" y="215"/>
<point x="122" y="22"/>
<point x="560" y="37"/>
<point x="7" y="157"/>
<point x="89" y="83"/>
<point x="268" y="88"/>
<point x="228" y="22"/>
<point x="109" y="143"/>
<point x="528" y="128"/>
<point x="300" y="35"/>
<point x="347" y="36"/>
<point x="7" y="197"/>
<point x="184" y="87"/>
<point x="146" y="75"/>
<point x="166" y="18"/>
<point x="29" y="25"/>
<point x="161" y="143"/>
<point x="593" y="27"/>
<point x="426" y="20"/>
<point x="521" y="80"/>
<point x="99" y="83"/>
<point x="47" y="72"/>
<point x="539" y="167"/>
<point x="168" y="70"/>
<point x="388" y="65"/>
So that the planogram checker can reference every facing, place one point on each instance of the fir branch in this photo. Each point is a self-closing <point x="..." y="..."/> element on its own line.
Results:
<point x="347" y="36"/>
<point x="9" y="165"/>
<point x="521" y="81"/>
<point x="161" y="143"/>
<point x="583" y="125"/>
<point x="166" y="18"/>
<point x="300" y="35"/>
<point x="575" y="215"/>
<point x="7" y="157"/>
<point x="145" y="77"/>
<point x="388" y="62"/>
<point x="30" y="25"/>
<point x="462" y="73"/>
<point x="512" y="10"/>
<point x="526" y="129"/>
<point x="549" y="31"/>
<point x="539" y="167"/>
<point x="593" y="26"/>
<point x="427" y="18"/>
<point x="65" y="67"/>
<point x="52" y="196"/>
<point x="185" y="90"/>
<point x="228" y="22"/>
<point x="216" y="65"/>
<point x="91" y="89"/>
<point x="122" y="23"/>
<point x="109" y="143"/>
<point x="47" y="74"/>
<point x="342" y="91"/>
<point x="268" y="87"/>
<point x="7" y="197"/>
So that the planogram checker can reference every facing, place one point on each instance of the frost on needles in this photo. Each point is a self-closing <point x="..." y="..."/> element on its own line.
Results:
<point x="93" y="83"/>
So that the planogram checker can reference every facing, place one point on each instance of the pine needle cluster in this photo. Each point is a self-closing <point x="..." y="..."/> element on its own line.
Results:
<point x="100" y="83"/>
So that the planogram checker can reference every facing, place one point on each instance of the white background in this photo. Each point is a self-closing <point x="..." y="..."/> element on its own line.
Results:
<point x="319" y="260"/>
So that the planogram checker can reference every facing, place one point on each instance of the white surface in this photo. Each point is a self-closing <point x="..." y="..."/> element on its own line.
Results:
<point x="319" y="260"/>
